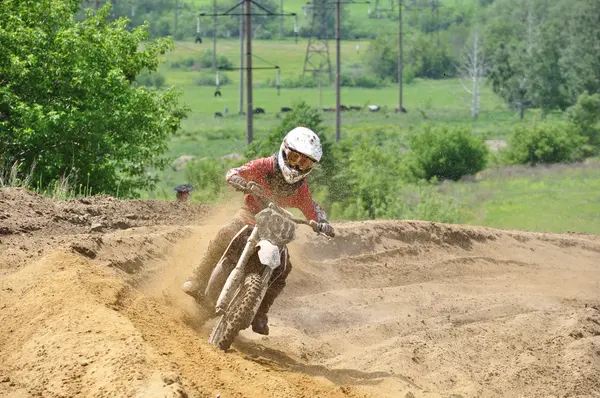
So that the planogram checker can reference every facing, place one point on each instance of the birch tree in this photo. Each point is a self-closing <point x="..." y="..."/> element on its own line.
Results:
<point x="474" y="67"/>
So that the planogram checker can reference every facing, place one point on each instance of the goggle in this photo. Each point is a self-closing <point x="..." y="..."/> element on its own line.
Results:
<point x="302" y="161"/>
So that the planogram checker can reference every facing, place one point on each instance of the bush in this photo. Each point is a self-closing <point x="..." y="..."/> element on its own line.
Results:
<point x="544" y="143"/>
<point x="425" y="202"/>
<point x="299" y="82"/>
<point x="357" y="190"/>
<point x="182" y="63"/>
<point x="207" y="176"/>
<point x="148" y="79"/>
<point x="445" y="153"/>
<point x="206" y="60"/>
<point x="209" y="79"/>
<point x="362" y="80"/>
<point x="585" y="117"/>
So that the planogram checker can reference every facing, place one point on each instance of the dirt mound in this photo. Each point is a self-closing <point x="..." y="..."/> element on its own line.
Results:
<point x="32" y="225"/>
<point x="23" y="211"/>
<point x="386" y="309"/>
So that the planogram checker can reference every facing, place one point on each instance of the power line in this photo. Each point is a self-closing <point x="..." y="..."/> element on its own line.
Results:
<point x="247" y="13"/>
<point x="338" y="22"/>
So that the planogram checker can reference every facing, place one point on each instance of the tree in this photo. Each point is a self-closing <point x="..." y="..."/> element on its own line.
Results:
<point x="576" y="26"/>
<point x="474" y="66"/>
<point x="585" y="118"/>
<point x="527" y="44"/>
<point x="423" y="57"/>
<point x="72" y="105"/>
<point x="507" y="78"/>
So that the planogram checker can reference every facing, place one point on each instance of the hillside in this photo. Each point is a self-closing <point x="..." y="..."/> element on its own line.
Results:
<point x="89" y="305"/>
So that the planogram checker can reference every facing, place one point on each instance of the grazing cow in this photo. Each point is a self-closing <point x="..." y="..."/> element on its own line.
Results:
<point x="355" y="108"/>
<point x="374" y="108"/>
<point x="258" y="111"/>
<point x="344" y="108"/>
<point x="285" y="109"/>
<point x="397" y="109"/>
<point x="331" y="109"/>
<point x="218" y="114"/>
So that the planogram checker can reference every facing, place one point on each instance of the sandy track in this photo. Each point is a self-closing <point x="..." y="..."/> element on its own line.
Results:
<point x="90" y="306"/>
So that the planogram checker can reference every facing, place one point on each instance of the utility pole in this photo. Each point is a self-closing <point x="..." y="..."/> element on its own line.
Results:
<point x="435" y="5"/>
<point x="215" y="34"/>
<point x="176" y="15"/>
<point x="249" y="127"/>
<point x="246" y="15"/>
<point x="399" y="56"/>
<point x="338" y="116"/>
<point x="338" y="63"/>
<point x="281" y="19"/>
<point x="320" y="85"/>
<point x="241" y="103"/>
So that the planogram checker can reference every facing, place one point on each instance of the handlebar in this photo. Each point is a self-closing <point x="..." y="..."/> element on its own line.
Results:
<point x="268" y="202"/>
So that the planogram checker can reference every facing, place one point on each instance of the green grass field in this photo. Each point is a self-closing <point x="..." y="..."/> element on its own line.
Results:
<point x="558" y="198"/>
<point x="426" y="100"/>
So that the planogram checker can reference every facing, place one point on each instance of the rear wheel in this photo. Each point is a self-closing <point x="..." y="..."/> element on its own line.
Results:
<point x="239" y="314"/>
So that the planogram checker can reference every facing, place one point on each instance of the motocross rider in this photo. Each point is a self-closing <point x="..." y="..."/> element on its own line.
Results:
<point x="282" y="177"/>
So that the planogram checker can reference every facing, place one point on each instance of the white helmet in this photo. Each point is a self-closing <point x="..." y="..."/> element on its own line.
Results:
<point x="298" y="154"/>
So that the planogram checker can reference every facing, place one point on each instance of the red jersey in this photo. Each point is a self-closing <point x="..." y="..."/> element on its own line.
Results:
<point x="265" y="172"/>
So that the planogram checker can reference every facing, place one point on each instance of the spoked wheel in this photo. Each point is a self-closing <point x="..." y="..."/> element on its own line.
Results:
<point x="239" y="314"/>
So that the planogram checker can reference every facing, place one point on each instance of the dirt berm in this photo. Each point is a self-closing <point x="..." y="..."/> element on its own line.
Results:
<point x="90" y="307"/>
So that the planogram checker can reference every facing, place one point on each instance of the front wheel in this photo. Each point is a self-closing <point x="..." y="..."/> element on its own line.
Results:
<point x="239" y="314"/>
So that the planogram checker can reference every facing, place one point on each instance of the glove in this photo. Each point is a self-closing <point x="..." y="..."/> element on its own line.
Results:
<point x="255" y="188"/>
<point x="325" y="228"/>
<point x="238" y="183"/>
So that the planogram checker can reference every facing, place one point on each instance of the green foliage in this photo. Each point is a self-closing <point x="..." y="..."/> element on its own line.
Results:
<point x="207" y="176"/>
<point x="298" y="82"/>
<point x="576" y="30"/>
<point x="382" y="57"/>
<point x="445" y="153"/>
<point x="183" y="63"/>
<point x="210" y="79"/>
<point x="156" y="79"/>
<point x="206" y="60"/>
<point x="544" y="143"/>
<point x="543" y="52"/>
<point x="424" y="201"/>
<point x="423" y="57"/>
<point x="357" y="189"/>
<point x="360" y="80"/>
<point x="67" y="99"/>
<point x="585" y="117"/>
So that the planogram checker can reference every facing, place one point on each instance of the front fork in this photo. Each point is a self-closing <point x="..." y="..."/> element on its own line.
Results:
<point x="236" y="276"/>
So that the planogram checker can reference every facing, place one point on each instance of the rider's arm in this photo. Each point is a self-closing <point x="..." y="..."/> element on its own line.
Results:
<point x="254" y="170"/>
<point x="308" y="207"/>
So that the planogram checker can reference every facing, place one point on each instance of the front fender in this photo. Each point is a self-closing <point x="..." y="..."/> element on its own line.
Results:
<point x="268" y="254"/>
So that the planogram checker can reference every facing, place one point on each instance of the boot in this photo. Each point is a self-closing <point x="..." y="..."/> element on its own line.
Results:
<point x="260" y="324"/>
<point x="192" y="289"/>
<point x="195" y="284"/>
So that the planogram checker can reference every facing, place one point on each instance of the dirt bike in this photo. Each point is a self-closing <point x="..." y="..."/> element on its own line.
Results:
<point x="239" y="282"/>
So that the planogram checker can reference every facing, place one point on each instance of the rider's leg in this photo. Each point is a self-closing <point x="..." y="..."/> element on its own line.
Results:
<point x="260" y="324"/>
<point x="196" y="282"/>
